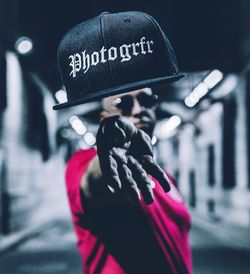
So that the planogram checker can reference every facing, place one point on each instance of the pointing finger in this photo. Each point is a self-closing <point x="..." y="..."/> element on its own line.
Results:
<point x="142" y="179"/>
<point x="152" y="168"/>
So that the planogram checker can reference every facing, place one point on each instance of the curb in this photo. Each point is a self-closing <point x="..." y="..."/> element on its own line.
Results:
<point x="13" y="240"/>
<point x="226" y="233"/>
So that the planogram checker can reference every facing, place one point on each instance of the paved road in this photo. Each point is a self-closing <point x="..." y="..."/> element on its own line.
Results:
<point x="214" y="256"/>
<point x="53" y="252"/>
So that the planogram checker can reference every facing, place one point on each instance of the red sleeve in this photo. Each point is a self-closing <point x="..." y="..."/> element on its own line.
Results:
<point x="76" y="168"/>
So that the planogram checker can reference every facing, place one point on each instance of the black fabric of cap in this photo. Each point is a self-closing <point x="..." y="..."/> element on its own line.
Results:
<point x="114" y="53"/>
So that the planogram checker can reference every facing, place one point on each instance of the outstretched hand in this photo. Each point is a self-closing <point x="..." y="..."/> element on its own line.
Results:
<point x="126" y="157"/>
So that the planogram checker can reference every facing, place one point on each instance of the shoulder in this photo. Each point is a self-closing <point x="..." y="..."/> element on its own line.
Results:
<point x="75" y="169"/>
<point x="79" y="158"/>
<point x="78" y="163"/>
<point x="82" y="155"/>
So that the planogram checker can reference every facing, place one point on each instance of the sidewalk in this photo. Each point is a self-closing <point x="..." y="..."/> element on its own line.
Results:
<point x="52" y="251"/>
<point x="44" y="218"/>
<point x="227" y="234"/>
<point x="14" y="239"/>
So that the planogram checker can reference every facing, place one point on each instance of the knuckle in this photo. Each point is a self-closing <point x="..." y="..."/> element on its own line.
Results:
<point x="133" y="187"/>
<point x="131" y="159"/>
<point x="151" y="160"/>
<point x="144" y="176"/>
<point x="127" y="177"/>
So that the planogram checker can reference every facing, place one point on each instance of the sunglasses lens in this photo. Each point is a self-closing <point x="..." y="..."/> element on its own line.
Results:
<point x="147" y="100"/>
<point x="125" y="104"/>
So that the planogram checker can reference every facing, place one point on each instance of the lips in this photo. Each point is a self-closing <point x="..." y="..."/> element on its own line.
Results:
<point x="145" y="120"/>
<point x="141" y="125"/>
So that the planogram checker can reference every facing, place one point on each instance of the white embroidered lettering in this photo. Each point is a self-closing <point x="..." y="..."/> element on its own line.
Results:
<point x="149" y="48"/>
<point x="134" y="45"/>
<point x="142" y="46"/>
<point x="86" y="62"/>
<point x="124" y="52"/>
<point x="94" y="58"/>
<point x="112" y="53"/>
<point x="103" y="60"/>
<point x="76" y="64"/>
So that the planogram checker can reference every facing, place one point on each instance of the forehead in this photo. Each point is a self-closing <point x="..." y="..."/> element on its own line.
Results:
<point x="108" y="102"/>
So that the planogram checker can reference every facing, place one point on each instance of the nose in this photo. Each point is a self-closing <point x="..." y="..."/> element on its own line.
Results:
<point x="137" y="108"/>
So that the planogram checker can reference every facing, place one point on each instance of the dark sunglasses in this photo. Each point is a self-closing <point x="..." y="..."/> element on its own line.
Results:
<point x="125" y="103"/>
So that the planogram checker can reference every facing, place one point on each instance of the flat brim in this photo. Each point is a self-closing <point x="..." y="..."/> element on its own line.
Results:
<point x="97" y="95"/>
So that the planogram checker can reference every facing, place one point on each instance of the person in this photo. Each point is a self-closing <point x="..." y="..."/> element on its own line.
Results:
<point x="120" y="234"/>
<point x="127" y="213"/>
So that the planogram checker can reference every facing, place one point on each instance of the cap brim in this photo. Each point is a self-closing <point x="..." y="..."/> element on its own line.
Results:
<point x="97" y="95"/>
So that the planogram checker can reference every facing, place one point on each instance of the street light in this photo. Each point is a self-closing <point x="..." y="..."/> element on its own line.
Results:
<point x="24" y="45"/>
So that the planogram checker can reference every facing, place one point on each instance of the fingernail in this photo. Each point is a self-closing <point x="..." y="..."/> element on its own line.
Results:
<point x="166" y="187"/>
<point x="148" y="196"/>
<point x="149" y="200"/>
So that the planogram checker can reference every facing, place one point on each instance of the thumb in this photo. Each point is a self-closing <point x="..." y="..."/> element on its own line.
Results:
<point x="114" y="135"/>
<point x="119" y="135"/>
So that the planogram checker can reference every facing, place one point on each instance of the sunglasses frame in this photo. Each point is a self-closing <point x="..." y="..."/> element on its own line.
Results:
<point x="127" y="106"/>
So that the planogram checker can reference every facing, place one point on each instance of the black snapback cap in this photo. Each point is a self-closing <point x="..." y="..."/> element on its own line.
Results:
<point x="114" y="53"/>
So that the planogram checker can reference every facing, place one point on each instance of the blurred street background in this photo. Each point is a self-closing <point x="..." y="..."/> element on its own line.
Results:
<point x="52" y="249"/>
<point x="202" y="137"/>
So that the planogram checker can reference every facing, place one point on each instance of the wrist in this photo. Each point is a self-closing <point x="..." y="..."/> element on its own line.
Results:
<point x="90" y="179"/>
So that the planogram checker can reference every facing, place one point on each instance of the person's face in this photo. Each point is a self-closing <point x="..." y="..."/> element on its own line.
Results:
<point x="138" y="106"/>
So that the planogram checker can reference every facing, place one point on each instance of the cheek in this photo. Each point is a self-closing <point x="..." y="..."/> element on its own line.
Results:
<point x="106" y="114"/>
<point x="114" y="112"/>
<point x="132" y="119"/>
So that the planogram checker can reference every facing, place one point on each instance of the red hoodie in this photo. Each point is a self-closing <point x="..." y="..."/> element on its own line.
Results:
<point x="127" y="239"/>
